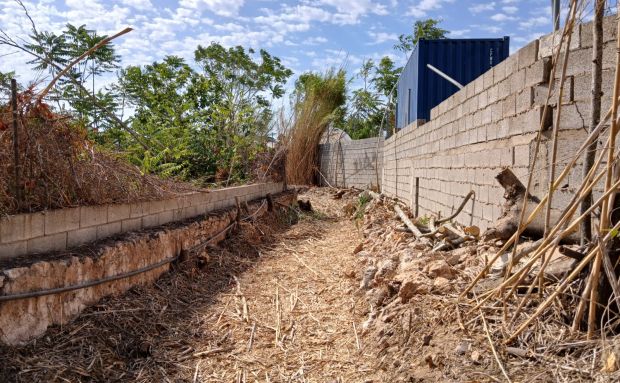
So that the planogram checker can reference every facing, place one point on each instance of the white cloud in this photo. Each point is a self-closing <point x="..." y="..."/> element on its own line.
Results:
<point x="318" y="40"/>
<point x="510" y="9"/>
<point x="535" y="22"/>
<point x="142" y="5"/>
<point x="381" y="37"/>
<point x="502" y="17"/>
<point x="459" y="32"/>
<point x="227" y="8"/>
<point x="351" y="11"/>
<point x="482" y="7"/>
<point x="425" y="6"/>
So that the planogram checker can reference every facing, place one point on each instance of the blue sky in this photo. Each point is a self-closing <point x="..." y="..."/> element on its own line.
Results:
<point x="306" y="35"/>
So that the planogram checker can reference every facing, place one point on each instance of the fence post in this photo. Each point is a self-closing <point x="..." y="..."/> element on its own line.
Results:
<point x="16" y="180"/>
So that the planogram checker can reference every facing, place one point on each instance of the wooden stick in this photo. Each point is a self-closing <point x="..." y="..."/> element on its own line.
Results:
<point x="77" y="60"/>
<point x="488" y="334"/>
<point x="560" y="289"/>
<point x="403" y="217"/>
<point x="460" y="208"/>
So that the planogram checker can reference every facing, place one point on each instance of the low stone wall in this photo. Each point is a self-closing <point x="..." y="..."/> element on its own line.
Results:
<point x="57" y="230"/>
<point x="352" y="163"/>
<point x="26" y="318"/>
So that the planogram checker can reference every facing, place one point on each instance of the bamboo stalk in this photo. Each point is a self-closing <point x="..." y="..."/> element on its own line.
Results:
<point x="593" y="135"/>
<point x="605" y="207"/>
<point x="560" y="289"/>
<point x="521" y="226"/>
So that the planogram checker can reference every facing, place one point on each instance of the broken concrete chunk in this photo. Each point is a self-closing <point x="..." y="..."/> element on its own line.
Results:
<point x="369" y="275"/>
<point x="462" y="348"/>
<point x="442" y="285"/>
<point x="440" y="269"/>
<point x="411" y="287"/>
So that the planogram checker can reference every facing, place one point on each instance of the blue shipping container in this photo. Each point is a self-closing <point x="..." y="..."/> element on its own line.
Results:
<point x="420" y="89"/>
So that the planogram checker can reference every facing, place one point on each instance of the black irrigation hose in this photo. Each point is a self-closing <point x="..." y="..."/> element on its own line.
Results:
<point x="40" y="293"/>
<point x="458" y="211"/>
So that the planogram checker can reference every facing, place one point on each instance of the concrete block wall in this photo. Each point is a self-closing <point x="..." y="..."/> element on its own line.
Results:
<point x="492" y="123"/>
<point x="352" y="164"/>
<point x="57" y="230"/>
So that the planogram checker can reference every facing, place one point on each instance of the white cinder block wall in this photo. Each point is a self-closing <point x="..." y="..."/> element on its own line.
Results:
<point x="488" y="125"/>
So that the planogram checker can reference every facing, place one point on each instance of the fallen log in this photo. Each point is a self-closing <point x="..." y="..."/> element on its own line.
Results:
<point x="414" y="229"/>
<point x="508" y="222"/>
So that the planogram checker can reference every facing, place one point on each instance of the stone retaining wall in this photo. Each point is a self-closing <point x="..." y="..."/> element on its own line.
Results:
<point x="62" y="229"/>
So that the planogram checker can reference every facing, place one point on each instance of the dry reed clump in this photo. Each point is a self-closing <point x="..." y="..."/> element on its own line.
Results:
<point x="60" y="167"/>
<point x="319" y="100"/>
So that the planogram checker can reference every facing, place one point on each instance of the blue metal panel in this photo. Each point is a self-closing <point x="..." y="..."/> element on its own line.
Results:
<point x="462" y="59"/>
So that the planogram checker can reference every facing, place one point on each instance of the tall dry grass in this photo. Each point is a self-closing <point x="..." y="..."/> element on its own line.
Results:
<point x="318" y="102"/>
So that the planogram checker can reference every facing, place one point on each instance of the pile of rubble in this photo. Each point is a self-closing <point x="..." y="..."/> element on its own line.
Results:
<point x="410" y="285"/>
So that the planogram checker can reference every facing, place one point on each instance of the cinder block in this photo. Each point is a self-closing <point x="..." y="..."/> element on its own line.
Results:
<point x="493" y="94"/>
<point x="131" y="224"/>
<point x="517" y="81"/>
<point x="503" y="89"/>
<point x="21" y="227"/>
<point x="93" y="215"/>
<point x="157" y="206"/>
<point x="61" y="220"/>
<point x="12" y="250"/>
<point x="482" y="100"/>
<point x="524" y="100"/>
<point x="574" y="116"/>
<point x="487" y="78"/>
<point x="54" y="242"/>
<point x="479" y="85"/>
<point x="166" y="217"/>
<point x="509" y="106"/>
<point x="81" y="236"/>
<point x="151" y="220"/>
<point x="138" y="209"/>
<point x="527" y="55"/>
<point x="579" y="62"/>
<point x="118" y="212"/>
<point x="499" y="72"/>
<point x="549" y="43"/>
<point x="104" y="231"/>
<point x="538" y="73"/>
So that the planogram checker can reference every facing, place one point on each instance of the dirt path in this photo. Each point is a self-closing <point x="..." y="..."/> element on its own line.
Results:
<point x="272" y="304"/>
<point x="303" y="311"/>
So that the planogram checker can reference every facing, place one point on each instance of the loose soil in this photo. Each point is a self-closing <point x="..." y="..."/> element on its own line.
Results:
<point x="290" y="299"/>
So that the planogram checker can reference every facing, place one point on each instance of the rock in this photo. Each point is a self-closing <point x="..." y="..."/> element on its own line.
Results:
<point x="386" y="268"/>
<point x="462" y="348"/>
<point x="611" y="363"/>
<point x="453" y="259"/>
<point x="358" y="248"/>
<point x="369" y="275"/>
<point x="376" y="297"/>
<point x="426" y="340"/>
<point x="411" y="287"/>
<point x="442" y="285"/>
<point x="440" y="269"/>
<point x="476" y="357"/>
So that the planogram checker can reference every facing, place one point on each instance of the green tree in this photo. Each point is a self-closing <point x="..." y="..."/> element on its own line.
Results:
<point x="163" y="115"/>
<point x="56" y="51"/>
<point x="234" y="97"/>
<point x="422" y="29"/>
<point x="208" y="123"/>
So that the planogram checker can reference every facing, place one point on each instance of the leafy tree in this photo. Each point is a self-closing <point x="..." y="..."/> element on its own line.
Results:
<point x="163" y="115"/>
<point x="205" y="124"/>
<point x="422" y="29"/>
<point x="234" y="98"/>
<point x="57" y="51"/>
